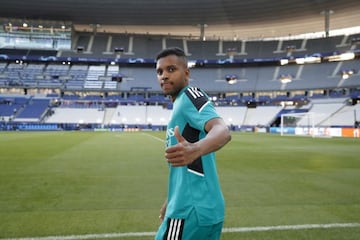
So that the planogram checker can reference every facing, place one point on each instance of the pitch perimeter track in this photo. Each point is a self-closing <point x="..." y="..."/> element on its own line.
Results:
<point x="225" y="230"/>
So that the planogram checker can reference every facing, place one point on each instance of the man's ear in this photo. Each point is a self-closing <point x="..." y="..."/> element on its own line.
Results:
<point x="187" y="74"/>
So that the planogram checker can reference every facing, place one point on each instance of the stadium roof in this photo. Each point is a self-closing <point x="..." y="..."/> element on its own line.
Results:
<point x="241" y="19"/>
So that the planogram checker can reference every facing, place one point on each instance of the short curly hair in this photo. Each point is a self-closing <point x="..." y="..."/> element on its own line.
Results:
<point x="172" y="51"/>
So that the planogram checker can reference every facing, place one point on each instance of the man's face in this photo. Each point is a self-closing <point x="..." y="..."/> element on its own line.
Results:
<point x="173" y="75"/>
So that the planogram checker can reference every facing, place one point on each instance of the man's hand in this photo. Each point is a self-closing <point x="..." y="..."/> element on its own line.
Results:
<point x="163" y="211"/>
<point x="183" y="153"/>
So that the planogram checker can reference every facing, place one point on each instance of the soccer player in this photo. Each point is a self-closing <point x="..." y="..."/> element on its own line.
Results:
<point x="194" y="208"/>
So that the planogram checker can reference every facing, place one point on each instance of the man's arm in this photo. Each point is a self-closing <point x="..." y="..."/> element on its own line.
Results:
<point x="184" y="152"/>
<point x="163" y="211"/>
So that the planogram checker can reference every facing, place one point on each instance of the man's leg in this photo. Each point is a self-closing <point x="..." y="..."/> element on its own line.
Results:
<point x="188" y="229"/>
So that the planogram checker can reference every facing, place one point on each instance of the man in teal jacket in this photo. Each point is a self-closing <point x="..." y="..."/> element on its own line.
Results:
<point x="194" y="208"/>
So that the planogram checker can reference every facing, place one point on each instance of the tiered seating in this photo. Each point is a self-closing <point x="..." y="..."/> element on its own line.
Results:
<point x="9" y="106"/>
<point x="323" y="45"/>
<point x="145" y="46"/>
<point x="203" y="49"/>
<point x="92" y="98"/>
<point x="3" y="65"/>
<point x="33" y="111"/>
<point x="119" y="41"/>
<point x="77" y="74"/>
<point x="57" y="70"/>
<point x="71" y="97"/>
<point x="82" y="40"/>
<point x="155" y="115"/>
<point x="3" y="75"/>
<point x="76" y="115"/>
<point x="260" y="49"/>
<point x="111" y="71"/>
<point x="114" y="98"/>
<point x="322" y="110"/>
<point x="158" y="115"/>
<point x="140" y="77"/>
<point x="100" y="44"/>
<point x="139" y="84"/>
<point x="171" y="42"/>
<point x="346" y="116"/>
<point x="316" y="76"/>
<point x="109" y="85"/>
<point x="353" y="80"/>
<point x="54" y="75"/>
<point x="156" y="99"/>
<point x="13" y="74"/>
<point x="232" y="115"/>
<point x="261" y="115"/>
<point x="92" y="79"/>
<point x="32" y="73"/>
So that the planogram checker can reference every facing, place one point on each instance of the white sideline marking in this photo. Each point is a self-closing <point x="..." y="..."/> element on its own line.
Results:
<point x="225" y="230"/>
<point x="88" y="236"/>
<point x="156" y="138"/>
<point x="291" y="227"/>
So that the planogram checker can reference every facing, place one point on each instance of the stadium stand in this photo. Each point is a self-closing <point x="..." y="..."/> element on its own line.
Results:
<point x="108" y="79"/>
<point x="33" y="111"/>
<point x="77" y="115"/>
<point x="146" y="46"/>
<point x="323" y="110"/>
<point x="345" y="116"/>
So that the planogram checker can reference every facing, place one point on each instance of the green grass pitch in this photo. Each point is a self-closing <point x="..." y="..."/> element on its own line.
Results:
<point x="78" y="183"/>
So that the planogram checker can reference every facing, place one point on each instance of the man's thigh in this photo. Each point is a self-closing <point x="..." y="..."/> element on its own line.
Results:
<point x="188" y="229"/>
